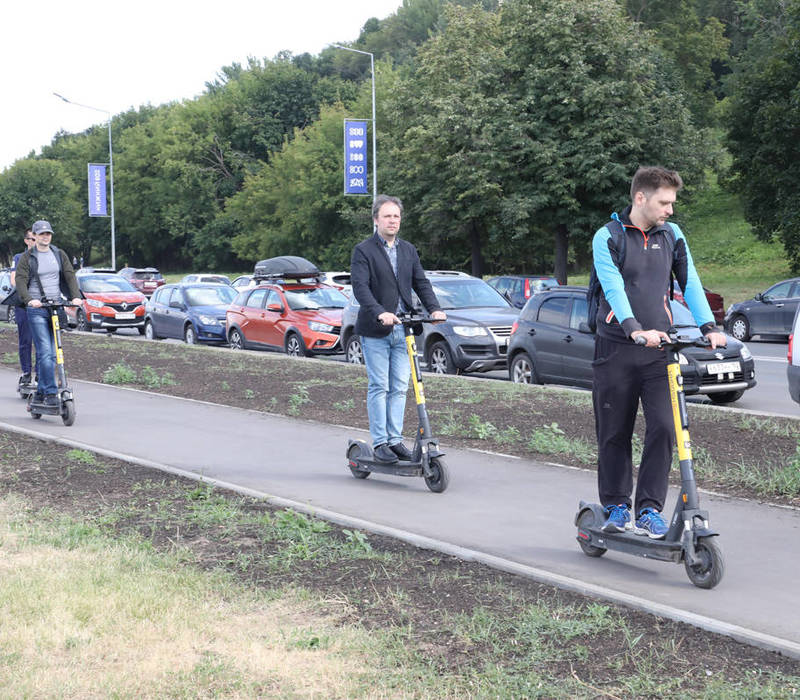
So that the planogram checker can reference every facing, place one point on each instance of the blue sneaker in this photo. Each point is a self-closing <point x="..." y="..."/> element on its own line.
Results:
<point x="651" y="523"/>
<point x="619" y="519"/>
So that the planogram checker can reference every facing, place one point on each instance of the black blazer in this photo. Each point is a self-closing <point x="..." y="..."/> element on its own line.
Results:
<point x="377" y="290"/>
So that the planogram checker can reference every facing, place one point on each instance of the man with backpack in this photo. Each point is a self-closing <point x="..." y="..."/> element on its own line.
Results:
<point x="44" y="272"/>
<point x="635" y="256"/>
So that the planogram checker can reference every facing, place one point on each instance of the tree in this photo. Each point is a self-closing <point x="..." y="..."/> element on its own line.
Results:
<point x="764" y="129"/>
<point x="33" y="189"/>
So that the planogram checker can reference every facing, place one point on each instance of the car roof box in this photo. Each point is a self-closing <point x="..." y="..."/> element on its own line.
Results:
<point x="285" y="267"/>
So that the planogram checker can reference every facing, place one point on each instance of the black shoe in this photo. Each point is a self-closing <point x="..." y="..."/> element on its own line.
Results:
<point x="383" y="453"/>
<point x="401" y="451"/>
<point x="38" y="397"/>
<point x="25" y="379"/>
<point x="51" y="400"/>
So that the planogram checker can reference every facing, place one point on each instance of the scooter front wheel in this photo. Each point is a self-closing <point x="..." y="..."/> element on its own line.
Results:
<point x="440" y="476"/>
<point x="708" y="572"/>
<point x="585" y="522"/>
<point x="68" y="412"/>
<point x="352" y="456"/>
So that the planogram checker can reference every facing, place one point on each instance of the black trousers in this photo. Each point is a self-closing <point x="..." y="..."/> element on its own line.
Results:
<point x="624" y="374"/>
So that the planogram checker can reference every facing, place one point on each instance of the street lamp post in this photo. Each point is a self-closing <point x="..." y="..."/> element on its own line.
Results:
<point x="374" y="123"/>
<point x="110" y="172"/>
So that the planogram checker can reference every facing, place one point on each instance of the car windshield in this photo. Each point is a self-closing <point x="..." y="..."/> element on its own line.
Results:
<point x="315" y="298"/>
<point x="143" y="275"/>
<point x="682" y="317"/>
<point x="95" y="285"/>
<point x="464" y="293"/>
<point x="209" y="296"/>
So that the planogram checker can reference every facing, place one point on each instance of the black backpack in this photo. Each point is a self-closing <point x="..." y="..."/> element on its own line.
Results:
<point x="620" y="241"/>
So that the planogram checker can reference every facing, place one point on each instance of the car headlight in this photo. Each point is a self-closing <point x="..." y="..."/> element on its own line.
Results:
<point x="320" y="327"/>
<point x="96" y="304"/>
<point x="470" y="331"/>
<point x="745" y="353"/>
<point x="209" y="321"/>
<point x="682" y="360"/>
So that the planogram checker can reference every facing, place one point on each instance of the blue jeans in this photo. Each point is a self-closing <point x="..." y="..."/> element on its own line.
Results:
<point x="388" y="372"/>
<point x="25" y="338"/>
<point x="42" y="330"/>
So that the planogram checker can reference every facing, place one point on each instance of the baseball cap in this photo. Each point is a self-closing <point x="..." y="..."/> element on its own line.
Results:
<point x="41" y="227"/>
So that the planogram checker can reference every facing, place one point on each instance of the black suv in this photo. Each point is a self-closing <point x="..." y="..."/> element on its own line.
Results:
<point x="551" y="343"/>
<point x="473" y="339"/>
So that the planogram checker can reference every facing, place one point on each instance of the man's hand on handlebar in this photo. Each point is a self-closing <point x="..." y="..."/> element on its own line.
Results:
<point x="716" y="339"/>
<point x="34" y="303"/>
<point x="387" y="318"/>
<point x="650" y="339"/>
<point x="77" y="301"/>
<point x="439" y="315"/>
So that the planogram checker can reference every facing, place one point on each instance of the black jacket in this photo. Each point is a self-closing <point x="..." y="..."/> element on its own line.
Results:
<point x="377" y="290"/>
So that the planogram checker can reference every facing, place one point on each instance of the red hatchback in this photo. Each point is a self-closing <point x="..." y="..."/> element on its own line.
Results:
<point x="145" y="279"/>
<point x="110" y="302"/>
<point x="302" y="318"/>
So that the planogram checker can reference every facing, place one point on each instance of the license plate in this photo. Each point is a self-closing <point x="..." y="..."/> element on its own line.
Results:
<point x="723" y="367"/>
<point x="149" y="285"/>
<point x="124" y="316"/>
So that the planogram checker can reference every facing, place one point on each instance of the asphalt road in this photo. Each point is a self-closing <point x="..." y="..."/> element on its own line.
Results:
<point x="516" y="510"/>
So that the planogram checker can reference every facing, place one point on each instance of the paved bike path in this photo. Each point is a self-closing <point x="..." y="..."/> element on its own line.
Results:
<point x="519" y="511"/>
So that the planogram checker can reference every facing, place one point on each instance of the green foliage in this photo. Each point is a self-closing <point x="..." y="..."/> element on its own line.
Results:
<point x="120" y="373"/>
<point x="764" y="128"/>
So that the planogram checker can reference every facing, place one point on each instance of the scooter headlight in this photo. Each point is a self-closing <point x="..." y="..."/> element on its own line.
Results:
<point x="470" y="331"/>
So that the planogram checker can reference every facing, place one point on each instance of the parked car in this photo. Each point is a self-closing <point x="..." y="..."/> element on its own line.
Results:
<point x="244" y="282"/>
<point x="95" y="270"/>
<point x="552" y="344"/>
<point x="193" y="312"/>
<point x="793" y="358"/>
<point x="7" y="311"/>
<point x="767" y="313"/>
<point x="714" y="301"/>
<point x="110" y="302"/>
<point x="519" y="288"/>
<point x="301" y="318"/>
<point x="145" y="279"/>
<point x="474" y="337"/>
<point x="205" y="278"/>
<point x="340" y="280"/>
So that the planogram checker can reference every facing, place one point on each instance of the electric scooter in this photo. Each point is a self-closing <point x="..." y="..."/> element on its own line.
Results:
<point x="689" y="539"/>
<point x="426" y="458"/>
<point x="66" y="401"/>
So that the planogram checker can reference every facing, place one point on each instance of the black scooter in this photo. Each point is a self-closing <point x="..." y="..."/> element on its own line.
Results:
<point x="689" y="539"/>
<point x="66" y="401"/>
<point x="426" y="460"/>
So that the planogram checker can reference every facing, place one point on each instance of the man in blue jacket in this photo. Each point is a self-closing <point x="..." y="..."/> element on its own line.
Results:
<point x="635" y="303"/>
<point x="383" y="271"/>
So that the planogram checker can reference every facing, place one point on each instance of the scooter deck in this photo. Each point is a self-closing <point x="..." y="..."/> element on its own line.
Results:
<point x="631" y="543"/>
<point x="396" y="468"/>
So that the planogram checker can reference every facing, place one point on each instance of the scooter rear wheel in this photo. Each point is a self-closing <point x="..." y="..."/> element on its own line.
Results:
<point x="708" y="573"/>
<point x="352" y="456"/>
<point x="68" y="412"/>
<point x="586" y="521"/>
<point x="440" y="476"/>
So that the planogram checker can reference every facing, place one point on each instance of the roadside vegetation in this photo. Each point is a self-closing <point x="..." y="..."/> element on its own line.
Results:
<point x="119" y="581"/>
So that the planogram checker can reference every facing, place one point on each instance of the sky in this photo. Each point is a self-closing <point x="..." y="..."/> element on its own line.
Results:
<point x="114" y="55"/>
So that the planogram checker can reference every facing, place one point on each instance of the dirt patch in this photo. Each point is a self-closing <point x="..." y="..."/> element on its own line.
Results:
<point x="419" y="594"/>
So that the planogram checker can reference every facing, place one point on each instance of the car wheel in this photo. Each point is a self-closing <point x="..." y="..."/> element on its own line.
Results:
<point x="740" y="328"/>
<point x="236" y="340"/>
<point x="353" y="352"/>
<point x="190" y="335"/>
<point x="294" y="346"/>
<point x="149" y="331"/>
<point x="726" y="396"/>
<point x="12" y="314"/>
<point x="81" y="322"/>
<point x="522" y="370"/>
<point x="440" y="360"/>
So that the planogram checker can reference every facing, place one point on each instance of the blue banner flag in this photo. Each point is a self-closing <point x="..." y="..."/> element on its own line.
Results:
<point x="97" y="190"/>
<point x="355" y="157"/>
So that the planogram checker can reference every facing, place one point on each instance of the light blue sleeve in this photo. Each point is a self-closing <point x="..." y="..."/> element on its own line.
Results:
<point x="609" y="275"/>
<point x="694" y="294"/>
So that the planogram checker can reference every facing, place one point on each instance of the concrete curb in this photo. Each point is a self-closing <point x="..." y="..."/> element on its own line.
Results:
<point x="752" y="637"/>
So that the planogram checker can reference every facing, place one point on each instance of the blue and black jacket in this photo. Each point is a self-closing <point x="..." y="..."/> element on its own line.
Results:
<point x="637" y="298"/>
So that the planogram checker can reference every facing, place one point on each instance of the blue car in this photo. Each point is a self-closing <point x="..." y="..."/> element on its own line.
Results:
<point x="193" y="312"/>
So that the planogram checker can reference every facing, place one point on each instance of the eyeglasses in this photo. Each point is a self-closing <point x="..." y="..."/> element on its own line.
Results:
<point x="29" y="238"/>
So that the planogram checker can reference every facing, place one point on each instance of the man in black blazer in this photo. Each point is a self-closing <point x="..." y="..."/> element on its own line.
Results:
<point x="383" y="271"/>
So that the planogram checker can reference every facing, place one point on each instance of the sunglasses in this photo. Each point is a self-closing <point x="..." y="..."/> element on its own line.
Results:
<point x="30" y="238"/>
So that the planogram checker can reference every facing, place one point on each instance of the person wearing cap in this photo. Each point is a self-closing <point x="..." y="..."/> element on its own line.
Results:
<point x="45" y="273"/>
<point x="21" y="317"/>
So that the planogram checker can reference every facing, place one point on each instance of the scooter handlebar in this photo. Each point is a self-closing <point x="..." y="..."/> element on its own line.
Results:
<point x="677" y="341"/>
<point x="413" y="319"/>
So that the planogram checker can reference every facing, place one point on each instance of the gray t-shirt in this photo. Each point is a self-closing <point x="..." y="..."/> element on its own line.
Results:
<point x="49" y="274"/>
